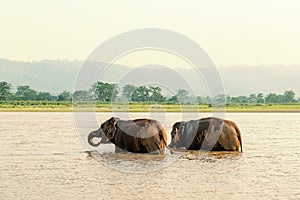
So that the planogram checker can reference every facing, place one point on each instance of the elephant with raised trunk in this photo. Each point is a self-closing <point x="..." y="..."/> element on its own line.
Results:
<point x="138" y="136"/>
<point x="207" y="134"/>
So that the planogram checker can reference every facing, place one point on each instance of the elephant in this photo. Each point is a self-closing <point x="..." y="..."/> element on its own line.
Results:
<point x="210" y="133"/>
<point x="138" y="136"/>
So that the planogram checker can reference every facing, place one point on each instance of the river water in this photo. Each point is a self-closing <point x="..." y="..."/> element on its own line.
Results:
<point x="42" y="157"/>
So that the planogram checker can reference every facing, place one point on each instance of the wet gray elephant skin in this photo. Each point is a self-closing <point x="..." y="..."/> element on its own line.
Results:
<point x="210" y="133"/>
<point x="138" y="136"/>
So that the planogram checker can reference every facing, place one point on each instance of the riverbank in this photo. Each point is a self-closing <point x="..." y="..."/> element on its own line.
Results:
<point x="142" y="107"/>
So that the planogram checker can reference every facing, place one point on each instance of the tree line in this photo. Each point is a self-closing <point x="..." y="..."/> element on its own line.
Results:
<point x="107" y="92"/>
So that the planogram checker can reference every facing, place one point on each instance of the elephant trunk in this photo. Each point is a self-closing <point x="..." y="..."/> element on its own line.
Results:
<point x="92" y="135"/>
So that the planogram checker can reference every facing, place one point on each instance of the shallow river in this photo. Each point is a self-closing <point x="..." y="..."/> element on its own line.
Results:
<point x="43" y="157"/>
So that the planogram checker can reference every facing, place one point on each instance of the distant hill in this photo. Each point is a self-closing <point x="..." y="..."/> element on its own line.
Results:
<point x="56" y="76"/>
<point x="243" y="80"/>
<point x="47" y="75"/>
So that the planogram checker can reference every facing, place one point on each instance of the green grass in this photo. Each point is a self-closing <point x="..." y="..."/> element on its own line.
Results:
<point x="264" y="108"/>
<point x="55" y="106"/>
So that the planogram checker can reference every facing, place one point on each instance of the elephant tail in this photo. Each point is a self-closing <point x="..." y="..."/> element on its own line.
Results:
<point x="163" y="137"/>
<point x="239" y="135"/>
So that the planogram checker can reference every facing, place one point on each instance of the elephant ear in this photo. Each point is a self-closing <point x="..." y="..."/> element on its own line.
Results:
<point x="112" y="128"/>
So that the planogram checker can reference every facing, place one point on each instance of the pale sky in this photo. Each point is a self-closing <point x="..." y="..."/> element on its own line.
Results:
<point x="232" y="32"/>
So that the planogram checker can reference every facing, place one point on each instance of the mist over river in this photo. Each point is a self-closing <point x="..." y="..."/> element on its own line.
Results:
<point x="43" y="157"/>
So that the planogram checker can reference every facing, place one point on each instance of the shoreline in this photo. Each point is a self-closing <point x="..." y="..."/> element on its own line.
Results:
<point x="146" y="107"/>
<point x="69" y="110"/>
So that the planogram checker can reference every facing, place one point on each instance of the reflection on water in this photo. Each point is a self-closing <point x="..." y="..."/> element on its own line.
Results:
<point x="41" y="156"/>
<point x="141" y="163"/>
<point x="132" y="162"/>
<point x="211" y="156"/>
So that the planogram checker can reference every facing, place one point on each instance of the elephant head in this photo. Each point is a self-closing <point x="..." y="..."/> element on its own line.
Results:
<point x="109" y="128"/>
<point x="177" y="135"/>
<point x="106" y="132"/>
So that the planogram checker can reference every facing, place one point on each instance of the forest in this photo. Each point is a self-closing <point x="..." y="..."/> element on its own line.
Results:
<point x="107" y="92"/>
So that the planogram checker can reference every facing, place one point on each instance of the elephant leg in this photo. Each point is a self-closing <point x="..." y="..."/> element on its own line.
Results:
<point x="119" y="144"/>
<point x="119" y="150"/>
<point x="218" y="147"/>
<point x="156" y="152"/>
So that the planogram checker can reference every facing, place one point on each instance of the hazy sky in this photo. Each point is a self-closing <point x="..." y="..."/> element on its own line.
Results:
<point x="232" y="31"/>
